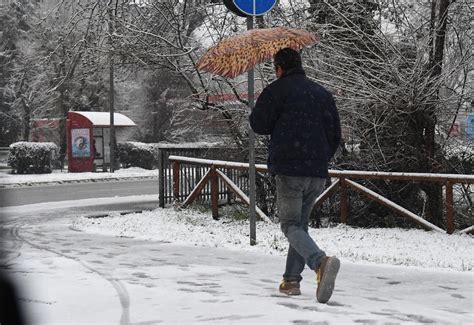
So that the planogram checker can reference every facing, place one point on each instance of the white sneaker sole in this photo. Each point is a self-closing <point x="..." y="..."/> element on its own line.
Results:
<point x="326" y="285"/>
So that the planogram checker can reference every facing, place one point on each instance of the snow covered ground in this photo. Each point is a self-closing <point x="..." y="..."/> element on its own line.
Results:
<point x="413" y="248"/>
<point x="182" y="267"/>
<point x="58" y="176"/>
<point x="169" y="266"/>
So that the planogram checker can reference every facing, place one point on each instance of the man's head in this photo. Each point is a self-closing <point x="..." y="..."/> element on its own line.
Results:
<point x="286" y="59"/>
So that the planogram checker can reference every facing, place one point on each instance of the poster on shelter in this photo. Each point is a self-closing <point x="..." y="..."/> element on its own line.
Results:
<point x="81" y="144"/>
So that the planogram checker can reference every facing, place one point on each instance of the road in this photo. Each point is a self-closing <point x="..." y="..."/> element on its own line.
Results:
<point x="14" y="196"/>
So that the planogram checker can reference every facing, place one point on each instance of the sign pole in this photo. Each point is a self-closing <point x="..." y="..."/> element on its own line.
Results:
<point x="111" y="95"/>
<point x="252" y="173"/>
<point x="251" y="9"/>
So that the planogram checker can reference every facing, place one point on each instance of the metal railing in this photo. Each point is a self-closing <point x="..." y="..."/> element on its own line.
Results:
<point x="216" y="178"/>
<point x="192" y="172"/>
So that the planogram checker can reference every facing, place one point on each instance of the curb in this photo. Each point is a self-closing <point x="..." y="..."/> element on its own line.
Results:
<point x="106" y="215"/>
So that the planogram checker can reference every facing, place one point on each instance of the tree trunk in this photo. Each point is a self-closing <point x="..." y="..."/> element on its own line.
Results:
<point x="434" y="212"/>
<point x="25" y="129"/>
<point x="439" y="38"/>
<point x="432" y="29"/>
<point x="62" y="126"/>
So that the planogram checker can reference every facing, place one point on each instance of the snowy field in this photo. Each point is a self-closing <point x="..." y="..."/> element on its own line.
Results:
<point x="413" y="248"/>
<point x="58" y="176"/>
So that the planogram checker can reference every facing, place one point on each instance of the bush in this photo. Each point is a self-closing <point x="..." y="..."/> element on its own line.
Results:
<point x="32" y="157"/>
<point x="136" y="154"/>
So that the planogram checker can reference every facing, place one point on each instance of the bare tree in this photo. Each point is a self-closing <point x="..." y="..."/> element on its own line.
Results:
<point x="384" y="62"/>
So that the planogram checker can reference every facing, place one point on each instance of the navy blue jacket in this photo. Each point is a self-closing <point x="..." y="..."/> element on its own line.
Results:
<point x="302" y="119"/>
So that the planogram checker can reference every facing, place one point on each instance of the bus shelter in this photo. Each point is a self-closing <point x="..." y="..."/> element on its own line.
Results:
<point x="88" y="139"/>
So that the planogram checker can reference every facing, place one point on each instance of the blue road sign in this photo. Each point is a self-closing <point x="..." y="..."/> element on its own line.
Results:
<point x="470" y="127"/>
<point x="255" y="7"/>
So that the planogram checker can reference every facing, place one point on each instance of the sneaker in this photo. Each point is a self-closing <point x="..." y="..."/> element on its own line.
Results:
<point x="290" y="288"/>
<point x="326" y="277"/>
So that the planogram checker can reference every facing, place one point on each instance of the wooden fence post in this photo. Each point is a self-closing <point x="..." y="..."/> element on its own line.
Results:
<point x="344" y="201"/>
<point x="449" y="208"/>
<point x="214" y="194"/>
<point x="161" y="179"/>
<point x="176" y="167"/>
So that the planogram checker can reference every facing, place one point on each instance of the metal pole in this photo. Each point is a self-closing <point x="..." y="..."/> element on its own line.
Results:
<point x="111" y="95"/>
<point x="112" y="127"/>
<point x="252" y="195"/>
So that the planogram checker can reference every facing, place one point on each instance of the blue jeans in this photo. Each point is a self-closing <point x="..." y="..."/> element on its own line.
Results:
<point x="295" y="199"/>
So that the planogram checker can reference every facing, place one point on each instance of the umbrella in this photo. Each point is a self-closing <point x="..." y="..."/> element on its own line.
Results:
<point x="235" y="55"/>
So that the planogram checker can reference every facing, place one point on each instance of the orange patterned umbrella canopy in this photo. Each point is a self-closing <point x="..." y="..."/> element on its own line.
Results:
<point x="235" y="55"/>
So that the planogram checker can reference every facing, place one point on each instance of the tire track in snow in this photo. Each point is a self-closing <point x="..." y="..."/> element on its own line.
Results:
<point x="122" y="292"/>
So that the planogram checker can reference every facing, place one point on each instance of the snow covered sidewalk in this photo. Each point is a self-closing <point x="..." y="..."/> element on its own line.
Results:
<point x="73" y="277"/>
<point x="77" y="270"/>
<point x="135" y="282"/>
<point x="58" y="176"/>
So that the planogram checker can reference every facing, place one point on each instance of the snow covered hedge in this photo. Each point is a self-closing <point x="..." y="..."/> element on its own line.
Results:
<point x="32" y="157"/>
<point x="136" y="154"/>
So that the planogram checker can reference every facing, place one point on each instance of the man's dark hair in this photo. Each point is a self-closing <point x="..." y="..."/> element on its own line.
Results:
<point x="287" y="58"/>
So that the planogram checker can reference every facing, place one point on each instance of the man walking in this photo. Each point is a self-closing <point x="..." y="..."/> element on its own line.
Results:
<point x="302" y="119"/>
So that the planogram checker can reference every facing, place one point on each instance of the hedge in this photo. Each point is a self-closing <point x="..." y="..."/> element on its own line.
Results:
<point x="32" y="157"/>
<point x="136" y="154"/>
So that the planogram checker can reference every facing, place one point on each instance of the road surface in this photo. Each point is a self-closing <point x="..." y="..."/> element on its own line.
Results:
<point x="14" y="196"/>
